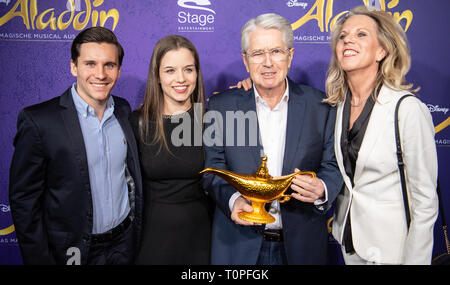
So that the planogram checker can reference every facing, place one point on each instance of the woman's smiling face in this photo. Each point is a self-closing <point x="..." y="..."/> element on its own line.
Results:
<point x="358" y="48"/>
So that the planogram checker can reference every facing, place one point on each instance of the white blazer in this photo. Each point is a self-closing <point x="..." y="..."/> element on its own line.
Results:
<point x="375" y="202"/>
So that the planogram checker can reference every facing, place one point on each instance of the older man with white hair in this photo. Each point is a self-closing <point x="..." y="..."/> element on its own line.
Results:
<point x="295" y="131"/>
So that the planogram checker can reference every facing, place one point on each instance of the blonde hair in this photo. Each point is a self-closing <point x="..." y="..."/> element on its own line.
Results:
<point x="391" y="70"/>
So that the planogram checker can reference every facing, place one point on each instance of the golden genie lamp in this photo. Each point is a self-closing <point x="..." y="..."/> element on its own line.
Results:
<point x="260" y="188"/>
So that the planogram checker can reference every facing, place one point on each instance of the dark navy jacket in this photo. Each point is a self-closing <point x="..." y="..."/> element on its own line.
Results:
<point x="309" y="147"/>
<point x="49" y="190"/>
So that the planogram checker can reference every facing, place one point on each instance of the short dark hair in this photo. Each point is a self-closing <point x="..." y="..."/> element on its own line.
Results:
<point x="95" y="35"/>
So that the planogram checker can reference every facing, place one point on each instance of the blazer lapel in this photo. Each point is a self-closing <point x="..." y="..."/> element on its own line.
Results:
<point x="121" y="115"/>
<point x="247" y="103"/>
<point x="73" y="129"/>
<point x="337" y="144"/>
<point x="295" y="118"/>
<point x="377" y="123"/>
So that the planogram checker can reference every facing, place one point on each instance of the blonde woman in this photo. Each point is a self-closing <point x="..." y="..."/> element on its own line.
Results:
<point x="366" y="78"/>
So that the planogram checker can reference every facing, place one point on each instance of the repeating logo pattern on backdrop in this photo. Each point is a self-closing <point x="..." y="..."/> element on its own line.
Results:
<point x="37" y="20"/>
<point x="195" y="16"/>
<point x="442" y="121"/>
<point x="6" y="231"/>
<point x="61" y="23"/>
<point x="322" y="13"/>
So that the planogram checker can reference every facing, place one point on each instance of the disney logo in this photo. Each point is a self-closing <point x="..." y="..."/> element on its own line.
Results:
<point x="295" y="3"/>
<point x="76" y="5"/>
<point x="374" y="3"/>
<point x="436" y="108"/>
<point x="4" y="208"/>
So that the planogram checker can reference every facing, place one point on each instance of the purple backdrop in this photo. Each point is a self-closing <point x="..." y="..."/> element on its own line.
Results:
<point x="35" y="39"/>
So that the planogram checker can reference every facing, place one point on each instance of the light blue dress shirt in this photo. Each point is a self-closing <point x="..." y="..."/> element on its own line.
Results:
<point x="106" y="150"/>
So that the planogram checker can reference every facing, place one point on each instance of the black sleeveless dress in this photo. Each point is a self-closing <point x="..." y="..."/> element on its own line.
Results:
<point x="176" y="222"/>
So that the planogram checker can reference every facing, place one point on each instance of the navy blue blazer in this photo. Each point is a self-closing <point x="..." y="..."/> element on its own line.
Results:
<point x="309" y="146"/>
<point x="49" y="188"/>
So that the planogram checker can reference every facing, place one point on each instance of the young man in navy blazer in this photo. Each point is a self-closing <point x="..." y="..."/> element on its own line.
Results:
<point x="75" y="182"/>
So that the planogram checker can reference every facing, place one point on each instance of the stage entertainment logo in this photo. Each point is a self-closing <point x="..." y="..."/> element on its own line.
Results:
<point x="6" y="230"/>
<point x="195" y="16"/>
<point x="25" y="20"/>
<point x="315" y="26"/>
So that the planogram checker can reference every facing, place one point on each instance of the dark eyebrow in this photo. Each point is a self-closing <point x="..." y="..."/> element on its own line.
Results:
<point x="93" y="61"/>
<point x="169" y="66"/>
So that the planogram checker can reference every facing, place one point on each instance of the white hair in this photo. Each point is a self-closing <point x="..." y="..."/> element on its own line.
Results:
<point x="267" y="21"/>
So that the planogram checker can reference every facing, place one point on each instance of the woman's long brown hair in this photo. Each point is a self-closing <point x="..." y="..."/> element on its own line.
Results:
<point x="152" y="108"/>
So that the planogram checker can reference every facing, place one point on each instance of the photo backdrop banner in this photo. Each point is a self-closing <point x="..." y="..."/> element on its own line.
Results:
<point x="36" y="35"/>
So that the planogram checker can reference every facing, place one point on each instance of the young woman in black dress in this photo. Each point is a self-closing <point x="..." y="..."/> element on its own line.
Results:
<point x="176" y="219"/>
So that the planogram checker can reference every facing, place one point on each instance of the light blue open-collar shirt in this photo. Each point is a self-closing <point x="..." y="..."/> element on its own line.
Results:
<point x="106" y="150"/>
